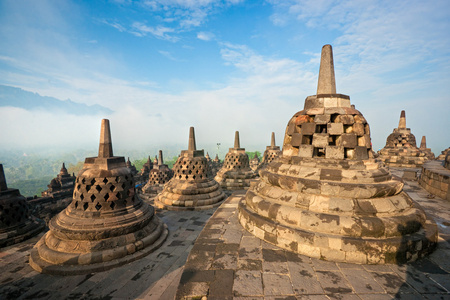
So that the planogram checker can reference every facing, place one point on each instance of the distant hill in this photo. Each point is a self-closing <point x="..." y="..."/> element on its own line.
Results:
<point x="16" y="97"/>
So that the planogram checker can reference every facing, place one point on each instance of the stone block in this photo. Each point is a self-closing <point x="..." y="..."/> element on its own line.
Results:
<point x="361" y="153"/>
<point x="291" y="128"/>
<point x="296" y="139"/>
<point x="320" y="140"/>
<point x="330" y="102"/>
<point x="334" y="152"/>
<point x="306" y="151"/>
<point x="308" y="128"/>
<point x="347" y="140"/>
<point x="358" y="128"/>
<point x="346" y="119"/>
<point x="335" y="128"/>
<point x="322" y="119"/>
<point x="364" y="141"/>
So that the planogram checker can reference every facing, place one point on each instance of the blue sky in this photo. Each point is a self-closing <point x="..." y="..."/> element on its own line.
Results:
<point x="221" y="66"/>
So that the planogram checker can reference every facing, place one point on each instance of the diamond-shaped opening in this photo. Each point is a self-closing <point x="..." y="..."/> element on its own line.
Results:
<point x="76" y="204"/>
<point x="119" y="195"/>
<point x="111" y="188"/>
<point x="98" y="206"/>
<point x="83" y="181"/>
<point x="92" y="181"/>
<point x="106" y="197"/>
<point x="193" y="177"/>
<point x="112" y="205"/>
<point x="92" y="198"/>
<point x="123" y="185"/>
<point x="85" y="206"/>
<point x="105" y="180"/>
<point x="88" y="187"/>
<point x="82" y="197"/>
<point x="98" y="188"/>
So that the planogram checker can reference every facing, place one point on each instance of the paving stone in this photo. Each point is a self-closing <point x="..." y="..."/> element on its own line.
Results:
<point x="222" y="284"/>
<point x="275" y="267"/>
<point x="333" y="282"/>
<point x="277" y="284"/>
<point x="250" y="264"/>
<point x="324" y="265"/>
<point x="392" y="283"/>
<point x="247" y="283"/>
<point x="304" y="279"/>
<point x="362" y="281"/>
<point x="224" y="261"/>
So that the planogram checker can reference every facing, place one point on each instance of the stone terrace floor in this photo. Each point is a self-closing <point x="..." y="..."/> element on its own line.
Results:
<point x="226" y="262"/>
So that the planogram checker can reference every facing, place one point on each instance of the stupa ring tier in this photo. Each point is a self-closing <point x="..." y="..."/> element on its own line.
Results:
<point x="327" y="197"/>
<point x="105" y="225"/>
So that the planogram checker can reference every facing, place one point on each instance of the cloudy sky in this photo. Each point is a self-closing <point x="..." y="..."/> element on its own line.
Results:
<point x="221" y="66"/>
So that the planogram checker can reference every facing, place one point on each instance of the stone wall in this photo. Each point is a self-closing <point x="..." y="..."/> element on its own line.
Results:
<point x="436" y="179"/>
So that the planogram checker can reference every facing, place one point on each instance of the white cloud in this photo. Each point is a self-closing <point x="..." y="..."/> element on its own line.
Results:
<point x="205" y="36"/>
<point x="160" y="32"/>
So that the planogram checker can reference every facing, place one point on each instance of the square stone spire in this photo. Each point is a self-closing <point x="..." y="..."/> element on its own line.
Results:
<point x="3" y="185"/>
<point x="192" y="147"/>
<point x="105" y="147"/>
<point x="327" y="81"/>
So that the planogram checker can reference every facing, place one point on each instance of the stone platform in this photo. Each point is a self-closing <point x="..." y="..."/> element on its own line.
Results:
<point x="245" y="265"/>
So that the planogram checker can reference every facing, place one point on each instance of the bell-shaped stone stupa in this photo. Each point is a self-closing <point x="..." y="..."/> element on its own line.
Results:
<point x="158" y="176"/>
<point x="401" y="148"/>
<point x="273" y="151"/>
<point x="235" y="173"/>
<point x="423" y="147"/>
<point x="105" y="226"/>
<point x="61" y="186"/>
<point x="325" y="197"/>
<point x="192" y="186"/>
<point x="255" y="162"/>
<point x="16" y="222"/>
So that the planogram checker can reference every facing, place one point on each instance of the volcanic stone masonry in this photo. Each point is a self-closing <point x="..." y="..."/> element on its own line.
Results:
<point x="158" y="176"/>
<point x="423" y="147"/>
<point x="145" y="170"/>
<point x="273" y="151"/>
<point x="401" y="148"/>
<point x="131" y="167"/>
<point x="254" y="162"/>
<point x="16" y="222"/>
<point x="435" y="177"/>
<point x="105" y="225"/>
<point x="235" y="173"/>
<point x="443" y="154"/>
<point x="192" y="186"/>
<point x="326" y="197"/>
<point x="61" y="186"/>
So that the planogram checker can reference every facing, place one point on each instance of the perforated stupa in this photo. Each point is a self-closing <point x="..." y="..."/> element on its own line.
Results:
<point x="105" y="225"/>
<point x="192" y="186"/>
<point x="158" y="176"/>
<point x="326" y="197"/>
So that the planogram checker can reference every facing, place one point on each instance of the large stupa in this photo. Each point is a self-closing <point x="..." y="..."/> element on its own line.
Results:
<point x="16" y="222"/>
<point x="105" y="225"/>
<point x="327" y="197"/>
<point x="235" y="173"/>
<point x="192" y="186"/>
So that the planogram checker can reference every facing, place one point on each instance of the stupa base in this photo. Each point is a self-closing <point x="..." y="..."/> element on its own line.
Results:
<point x="335" y="248"/>
<point x="30" y="228"/>
<point x="78" y="263"/>
<point x="187" y="206"/>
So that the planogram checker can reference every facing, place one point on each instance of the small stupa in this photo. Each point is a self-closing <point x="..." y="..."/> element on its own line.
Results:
<point x="401" y="148"/>
<point x="105" y="226"/>
<point x="158" y="176"/>
<point x="61" y="186"/>
<point x="145" y="170"/>
<point x="325" y="197"/>
<point x="273" y="151"/>
<point x="443" y="154"/>
<point x="235" y="173"/>
<point x="155" y="160"/>
<point x="16" y="222"/>
<point x="192" y="186"/>
<point x="423" y="147"/>
<point x="254" y="162"/>
<point x="131" y="167"/>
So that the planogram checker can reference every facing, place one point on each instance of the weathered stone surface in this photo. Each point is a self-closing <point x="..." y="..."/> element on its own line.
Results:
<point x="106" y="224"/>
<point x="327" y="197"/>
<point x="192" y="186"/>
<point x="158" y="176"/>
<point x="435" y="178"/>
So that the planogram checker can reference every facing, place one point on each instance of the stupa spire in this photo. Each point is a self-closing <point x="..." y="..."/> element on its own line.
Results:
<point x="237" y="143"/>
<point x="3" y="185"/>
<point x="423" y="143"/>
<point x="402" y="122"/>
<point x="105" y="148"/>
<point x="272" y="140"/>
<point x="63" y="170"/>
<point x="327" y="81"/>
<point x="160" y="158"/>
<point x="192" y="146"/>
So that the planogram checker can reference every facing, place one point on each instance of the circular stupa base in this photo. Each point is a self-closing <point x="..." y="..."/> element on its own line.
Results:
<point x="28" y="229"/>
<point x="64" y="263"/>
<point x="329" y="247"/>
<point x="161" y="205"/>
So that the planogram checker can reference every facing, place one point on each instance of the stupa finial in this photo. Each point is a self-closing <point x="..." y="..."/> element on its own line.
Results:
<point x="327" y="81"/>
<point x="63" y="170"/>
<point x="3" y="185"/>
<point x="192" y="146"/>
<point x="272" y="140"/>
<point x="402" y="122"/>
<point x="160" y="158"/>
<point x="237" y="143"/>
<point x="105" y="148"/>
<point x="423" y="143"/>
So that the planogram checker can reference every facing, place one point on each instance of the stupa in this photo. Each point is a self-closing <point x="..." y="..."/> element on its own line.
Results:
<point x="435" y="177"/>
<point x="61" y="186"/>
<point x="235" y="173"/>
<point x="192" y="186"/>
<point x="443" y="154"/>
<point x="158" y="176"/>
<point x="131" y="167"/>
<point x="273" y="151"/>
<point x="401" y="148"/>
<point x="155" y="160"/>
<point x="423" y="147"/>
<point x="105" y="225"/>
<point x="254" y="162"/>
<point x="16" y="222"/>
<point x="145" y="170"/>
<point x="326" y="197"/>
